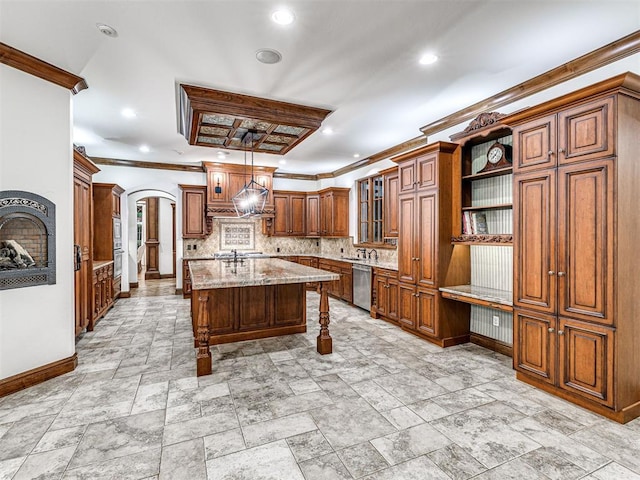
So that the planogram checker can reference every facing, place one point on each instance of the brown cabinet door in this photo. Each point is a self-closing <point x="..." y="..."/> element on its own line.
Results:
<point x="215" y="180"/>
<point x="115" y="199"/>
<point x="236" y="181"/>
<point x="534" y="145"/>
<point x="426" y="313"/>
<point x="340" y="217"/>
<point x="84" y="305"/>
<point x="325" y="213"/>
<point x="381" y="294"/>
<point x="346" y="284"/>
<point x="586" y="360"/>
<point x="426" y="227"/>
<point x="391" y="192"/>
<point x="427" y="168"/>
<point x="255" y="307"/>
<point x="534" y="249"/>
<point x="313" y="215"/>
<point x="193" y="206"/>
<point x="297" y="207"/>
<point x="186" y="279"/>
<point x="281" y="219"/>
<point x="393" y="308"/>
<point x="585" y="235"/>
<point x="406" y="243"/>
<point x="407" y="176"/>
<point x="290" y="301"/>
<point x="266" y="181"/>
<point x="534" y="344"/>
<point x="407" y="305"/>
<point x="222" y="316"/>
<point x="586" y="131"/>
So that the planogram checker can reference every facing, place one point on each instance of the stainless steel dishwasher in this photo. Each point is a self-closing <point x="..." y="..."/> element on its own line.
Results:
<point x="362" y="286"/>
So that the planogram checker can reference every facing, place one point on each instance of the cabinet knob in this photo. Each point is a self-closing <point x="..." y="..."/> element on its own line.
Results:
<point x="550" y="152"/>
<point x="551" y="330"/>
<point x="561" y="150"/>
<point x="560" y="332"/>
<point x="551" y="272"/>
<point x="561" y="274"/>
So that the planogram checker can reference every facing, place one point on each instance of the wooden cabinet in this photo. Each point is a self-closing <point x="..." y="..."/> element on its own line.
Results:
<point x="342" y="288"/>
<point x="193" y="211"/>
<point x="106" y="207"/>
<point x="102" y="288"/>
<point x="384" y="298"/>
<point x="309" y="262"/>
<point x="83" y="169"/>
<point x="391" y="190"/>
<point x="313" y="215"/>
<point x="225" y="180"/>
<point x="334" y="212"/>
<point x="290" y="213"/>
<point x="186" y="279"/>
<point x="425" y="253"/>
<point x="576" y="296"/>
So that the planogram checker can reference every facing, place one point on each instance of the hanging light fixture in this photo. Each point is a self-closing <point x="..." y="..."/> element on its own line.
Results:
<point x="251" y="198"/>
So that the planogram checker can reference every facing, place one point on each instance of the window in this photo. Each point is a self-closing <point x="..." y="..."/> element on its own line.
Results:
<point x="370" y="205"/>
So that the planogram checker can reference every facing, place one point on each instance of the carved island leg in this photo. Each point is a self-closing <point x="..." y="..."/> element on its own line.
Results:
<point x="324" y="343"/>
<point x="203" y="358"/>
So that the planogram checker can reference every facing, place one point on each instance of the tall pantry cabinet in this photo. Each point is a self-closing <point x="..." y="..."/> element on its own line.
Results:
<point x="576" y="163"/>
<point x="425" y="254"/>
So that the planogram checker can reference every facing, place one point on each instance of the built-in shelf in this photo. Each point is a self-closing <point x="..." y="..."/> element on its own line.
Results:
<point x="501" y="206"/>
<point x="502" y="240"/>
<point x="490" y="173"/>
<point x="475" y="295"/>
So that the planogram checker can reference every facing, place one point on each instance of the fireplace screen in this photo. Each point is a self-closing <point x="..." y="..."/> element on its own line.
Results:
<point x="27" y="240"/>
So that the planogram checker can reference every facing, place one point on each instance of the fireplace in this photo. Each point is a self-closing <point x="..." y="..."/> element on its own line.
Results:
<point x="27" y="240"/>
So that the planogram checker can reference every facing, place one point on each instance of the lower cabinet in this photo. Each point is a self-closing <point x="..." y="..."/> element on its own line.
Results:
<point x="309" y="262"/>
<point x="186" y="279"/>
<point x="384" y="297"/>
<point x="343" y="288"/>
<point x="573" y="355"/>
<point x="102" y="290"/>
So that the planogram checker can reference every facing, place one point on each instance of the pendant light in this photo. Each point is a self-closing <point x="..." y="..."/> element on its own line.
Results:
<point x="251" y="198"/>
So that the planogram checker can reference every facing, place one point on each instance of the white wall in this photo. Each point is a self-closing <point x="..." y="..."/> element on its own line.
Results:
<point x="37" y="323"/>
<point x="165" y="230"/>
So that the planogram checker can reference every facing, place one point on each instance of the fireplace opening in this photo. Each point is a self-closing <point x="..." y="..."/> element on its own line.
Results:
<point x="27" y="240"/>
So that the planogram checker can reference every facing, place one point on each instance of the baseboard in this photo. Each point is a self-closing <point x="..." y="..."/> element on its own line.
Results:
<point x="492" y="344"/>
<point x="152" y="276"/>
<point x="178" y="291"/>
<point x="125" y="294"/>
<point x="167" y="275"/>
<point x="37" y="375"/>
<point x="133" y="285"/>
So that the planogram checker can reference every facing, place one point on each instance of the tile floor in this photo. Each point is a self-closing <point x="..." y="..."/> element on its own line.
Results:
<point x="384" y="405"/>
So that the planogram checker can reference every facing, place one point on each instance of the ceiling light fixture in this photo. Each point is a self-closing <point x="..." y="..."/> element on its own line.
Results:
<point x="251" y="198"/>
<point x="128" y="113"/>
<point x="428" y="59"/>
<point x="356" y="155"/>
<point x="108" y="30"/>
<point x="144" y="148"/>
<point x="283" y="16"/>
<point x="282" y="162"/>
<point x="327" y="131"/>
<point x="268" y="56"/>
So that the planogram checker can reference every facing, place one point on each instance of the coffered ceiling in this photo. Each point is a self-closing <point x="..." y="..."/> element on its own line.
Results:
<point x="357" y="59"/>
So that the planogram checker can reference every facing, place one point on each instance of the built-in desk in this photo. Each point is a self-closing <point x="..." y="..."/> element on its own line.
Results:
<point x="250" y="299"/>
<point x="485" y="297"/>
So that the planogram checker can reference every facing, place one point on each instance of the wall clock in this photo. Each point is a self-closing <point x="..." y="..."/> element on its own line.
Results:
<point x="498" y="156"/>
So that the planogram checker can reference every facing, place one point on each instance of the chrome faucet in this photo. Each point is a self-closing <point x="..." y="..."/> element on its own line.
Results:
<point x="364" y="252"/>
<point x="375" y="253"/>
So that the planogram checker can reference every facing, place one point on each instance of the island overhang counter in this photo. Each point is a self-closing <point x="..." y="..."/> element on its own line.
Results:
<point x="253" y="298"/>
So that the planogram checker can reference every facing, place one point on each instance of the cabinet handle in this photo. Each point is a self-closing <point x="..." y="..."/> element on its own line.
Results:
<point x="550" y="152"/>
<point x="551" y="330"/>
<point x="561" y="150"/>
<point x="560" y="332"/>
<point x="551" y="272"/>
<point x="561" y="274"/>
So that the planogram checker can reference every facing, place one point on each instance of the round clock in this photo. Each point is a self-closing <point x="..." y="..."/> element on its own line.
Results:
<point x="498" y="156"/>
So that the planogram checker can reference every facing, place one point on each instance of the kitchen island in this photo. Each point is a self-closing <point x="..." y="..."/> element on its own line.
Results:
<point x="245" y="299"/>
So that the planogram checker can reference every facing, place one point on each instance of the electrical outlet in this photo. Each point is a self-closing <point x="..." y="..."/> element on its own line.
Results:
<point x="342" y="250"/>
<point x="188" y="247"/>
<point x="496" y="321"/>
<point x="277" y="249"/>
<point x="195" y="247"/>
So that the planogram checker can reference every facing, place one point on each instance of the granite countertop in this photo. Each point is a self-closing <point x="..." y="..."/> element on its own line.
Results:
<point x="492" y="295"/>
<point x="101" y="263"/>
<point x="206" y="274"/>
<point x="372" y="263"/>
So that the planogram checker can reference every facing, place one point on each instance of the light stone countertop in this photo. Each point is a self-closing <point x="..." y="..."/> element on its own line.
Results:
<point x="481" y="293"/>
<point x="206" y="274"/>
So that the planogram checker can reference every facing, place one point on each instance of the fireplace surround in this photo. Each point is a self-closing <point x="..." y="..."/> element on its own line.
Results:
<point x="27" y="240"/>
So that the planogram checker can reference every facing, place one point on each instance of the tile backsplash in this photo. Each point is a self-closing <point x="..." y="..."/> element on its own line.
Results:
<point x="274" y="245"/>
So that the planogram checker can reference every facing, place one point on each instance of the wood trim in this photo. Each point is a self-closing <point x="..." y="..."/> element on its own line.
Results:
<point x="117" y="162"/>
<point x="37" y="375"/>
<point x="600" y="57"/>
<point x="167" y="275"/>
<point x="124" y="294"/>
<point x="152" y="275"/>
<point x="83" y="163"/>
<point x="444" y="147"/>
<point x="492" y="344"/>
<point x="39" y="68"/>
<point x="178" y="291"/>
<point x="296" y="176"/>
<point x="133" y="285"/>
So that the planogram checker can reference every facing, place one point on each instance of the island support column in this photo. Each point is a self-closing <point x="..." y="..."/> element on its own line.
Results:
<point x="203" y="357"/>
<point x="324" y="341"/>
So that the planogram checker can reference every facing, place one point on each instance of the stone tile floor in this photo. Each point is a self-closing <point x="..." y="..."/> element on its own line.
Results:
<point x="384" y="405"/>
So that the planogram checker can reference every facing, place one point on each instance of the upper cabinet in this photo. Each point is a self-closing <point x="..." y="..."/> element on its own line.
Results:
<point x="334" y="212"/>
<point x="194" y="199"/>
<point x="106" y="231"/>
<point x="391" y="190"/>
<point x="225" y="180"/>
<point x="290" y="213"/>
<point x="418" y="173"/>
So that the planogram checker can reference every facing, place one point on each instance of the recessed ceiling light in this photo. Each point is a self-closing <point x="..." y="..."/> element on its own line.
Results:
<point x="144" y="148"/>
<point x="356" y="155"/>
<point x="283" y="16"/>
<point x="108" y="30"/>
<point x="128" y="113"/>
<point x="282" y="162"/>
<point x="428" y="59"/>
<point x="268" y="56"/>
<point x="327" y="131"/>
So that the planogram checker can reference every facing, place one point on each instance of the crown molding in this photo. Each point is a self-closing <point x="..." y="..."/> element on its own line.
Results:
<point x="117" y="162"/>
<point x="41" y="69"/>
